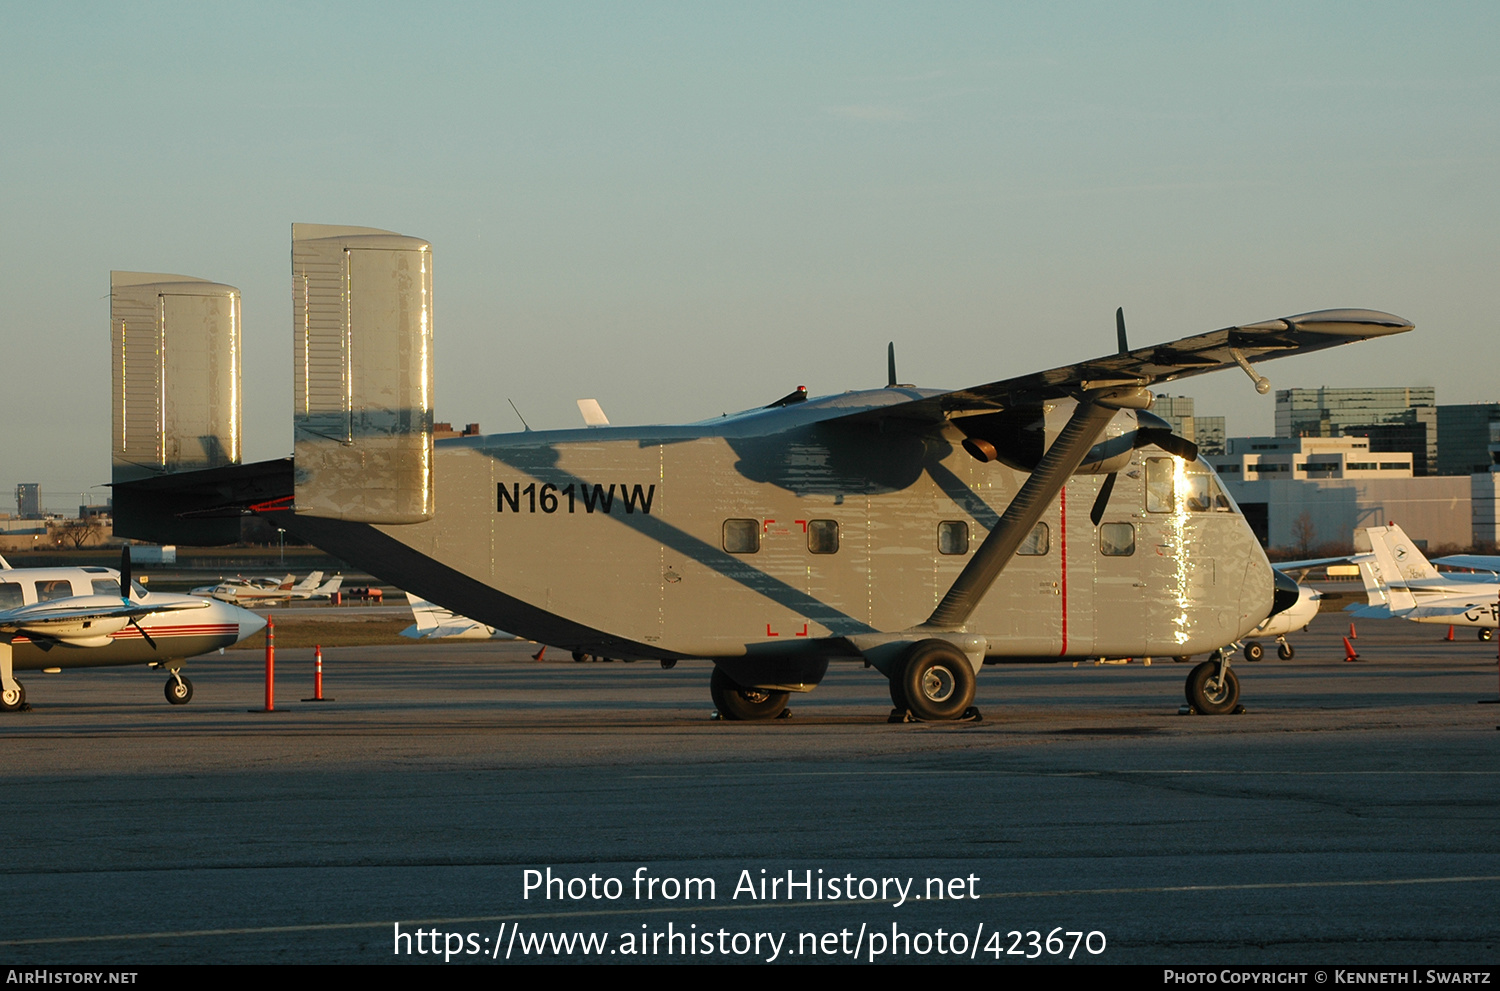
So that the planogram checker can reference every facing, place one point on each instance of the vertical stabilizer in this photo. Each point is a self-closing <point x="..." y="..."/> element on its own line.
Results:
<point x="1389" y="571"/>
<point x="175" y="404"/>
<point x="363" y="376"/>
<point x="1409" y="558"/>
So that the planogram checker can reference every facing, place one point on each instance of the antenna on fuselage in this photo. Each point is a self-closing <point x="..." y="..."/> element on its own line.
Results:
<point x="890" y="365"/>
<point x="524" y="424"/>
<point x="1120" y="329"/>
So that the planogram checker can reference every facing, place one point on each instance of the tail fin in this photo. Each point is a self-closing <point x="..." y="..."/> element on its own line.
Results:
<point x="309" y="583"/>
<point x="1412" y="562"/>
<point x="1389" y="571"/>
<point x="330" y="586"/>
<point x="1375" y="589"/>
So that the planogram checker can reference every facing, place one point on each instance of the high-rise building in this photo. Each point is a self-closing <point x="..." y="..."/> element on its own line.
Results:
<point x="1464" y="437"/>
<point x="1394" y="419"/>
<point x="29" y="500"/>
<point x="1205" y="431"/>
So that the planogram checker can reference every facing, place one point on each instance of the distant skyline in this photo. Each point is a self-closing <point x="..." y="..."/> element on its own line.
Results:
<point x="682" y="210"/>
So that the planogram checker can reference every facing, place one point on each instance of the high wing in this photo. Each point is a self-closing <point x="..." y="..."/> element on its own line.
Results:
<point x="1145" y="367"/>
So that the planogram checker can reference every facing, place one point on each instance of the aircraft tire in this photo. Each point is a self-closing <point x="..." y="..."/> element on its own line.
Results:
<point x="744" y="704"/>
<point x="1182" y="658"/>
<point x="937" y="680"/>
<point x="1486" y="635"/>
<point x="1253" y="650"/>
<point x="1215" y="702"/>
<point x="898" y="693"/>
<point x="11" y="701"/>
<point x="179" y="694"/>
<point x="1285" y="651"/>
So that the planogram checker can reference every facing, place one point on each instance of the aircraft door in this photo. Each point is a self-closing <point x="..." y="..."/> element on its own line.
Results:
<point x="1121" y="552"/>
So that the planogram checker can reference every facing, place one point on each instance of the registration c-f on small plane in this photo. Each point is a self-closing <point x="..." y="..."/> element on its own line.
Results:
<point x="925" y="532"/>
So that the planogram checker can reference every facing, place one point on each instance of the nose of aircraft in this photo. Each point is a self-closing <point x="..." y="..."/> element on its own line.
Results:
<point x="249" y="623"/>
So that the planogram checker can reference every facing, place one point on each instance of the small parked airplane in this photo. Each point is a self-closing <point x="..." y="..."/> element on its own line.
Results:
<point x="55" y="618"/>
<point x="1402" y="584"/>
<point x="436" y="623"/>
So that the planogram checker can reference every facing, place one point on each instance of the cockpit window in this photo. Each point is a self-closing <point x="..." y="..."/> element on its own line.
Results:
<point x="10" y="595"/>
<point x="1161" y="485"/>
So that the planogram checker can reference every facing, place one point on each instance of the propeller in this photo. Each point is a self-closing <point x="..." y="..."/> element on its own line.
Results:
<point x="126" y="588"/>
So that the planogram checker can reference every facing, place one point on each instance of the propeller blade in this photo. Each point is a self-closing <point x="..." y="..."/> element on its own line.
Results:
<point x="1102" y="500"/>
<point x="1166" y="440"/>
<point x="144" y="634"/>
<point x="125" y="573"/>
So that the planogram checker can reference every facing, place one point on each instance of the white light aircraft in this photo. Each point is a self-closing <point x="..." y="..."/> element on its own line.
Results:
<point x="55" y="618"/>
<point x="1402" y="584"/>
<point x="436" y="623"/>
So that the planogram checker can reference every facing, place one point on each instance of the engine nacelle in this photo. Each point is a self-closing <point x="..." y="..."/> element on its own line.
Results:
<point x="1017" y="438"/>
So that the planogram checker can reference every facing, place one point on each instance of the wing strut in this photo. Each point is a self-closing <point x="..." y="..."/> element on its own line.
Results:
<point x="1052" y="473"/>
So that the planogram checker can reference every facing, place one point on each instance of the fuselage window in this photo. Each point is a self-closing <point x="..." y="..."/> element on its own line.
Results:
<point x="1117" y="540"/>
<point x="58" y="588"/>
<point x="1037" y="542"/>
<point x="10" y="595"/>
<point x="1161" y="477"/>
<point x="106" y="586"/>
<point x="742" y="536"/>
<point x="953" y="537"/>
<point x="823" y="536"/>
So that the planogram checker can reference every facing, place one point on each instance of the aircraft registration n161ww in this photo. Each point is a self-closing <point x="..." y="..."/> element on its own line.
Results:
<point x="1039" y="518"/>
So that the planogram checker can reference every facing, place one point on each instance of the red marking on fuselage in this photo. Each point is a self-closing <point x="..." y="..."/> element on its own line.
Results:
<point x="1062" y="543"/>
<point x="769" y="633"/>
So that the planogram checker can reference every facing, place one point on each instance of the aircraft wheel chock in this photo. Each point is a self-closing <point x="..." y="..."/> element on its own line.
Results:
<point x="743" y="704"/>
<point x="1486" y="634"/>
<point x="11" y="701"/>
<point x="1254" y="651"/>
<point x="1211" y="697"/>
<point x="937" y="680"/>
<point x="1285" y="651"/>
<point x="179" y="693"/>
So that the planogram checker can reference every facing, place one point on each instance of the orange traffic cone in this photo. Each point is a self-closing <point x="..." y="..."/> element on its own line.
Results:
<point x="1349" y="654"/>
<point x="1352" y="634"/>
<point x="539" y="654"/>
<point x="1449" y="637"/>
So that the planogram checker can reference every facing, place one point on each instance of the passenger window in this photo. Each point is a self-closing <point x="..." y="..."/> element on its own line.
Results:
<point x="953" y="537"/>
<point x="742" y="536"/>
<point x="106" y="586"/>
<point x="823" y="536"/>
<point x="1198" y="498"/>
<point x="1117" y="539"/>
<point x="1037" y="542"/>
<point x="1161" y="476"/>
<point x="58" y="588"/>
<point x="10" y="595"/>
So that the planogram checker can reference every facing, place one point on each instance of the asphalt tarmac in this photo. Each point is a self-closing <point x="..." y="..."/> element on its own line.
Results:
<point x="1348" y="817"/>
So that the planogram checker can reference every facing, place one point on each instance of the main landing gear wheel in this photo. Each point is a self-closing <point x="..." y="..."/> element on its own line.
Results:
<point x="936" y="680"/>
<point x="1211" y="693"/>
<point x="179" y="690"/>
<point x="1284" y="651"/>
<point x="12" y="701"/>
<point x="742" y="704"/>
<point x="1486" y="635"/>
<point x="1254" y="651"/>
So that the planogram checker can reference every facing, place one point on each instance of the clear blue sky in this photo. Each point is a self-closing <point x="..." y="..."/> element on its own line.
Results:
<point x="686" y="209"/>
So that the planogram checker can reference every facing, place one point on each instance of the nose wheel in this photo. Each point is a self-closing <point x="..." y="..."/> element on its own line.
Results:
<point x="179" y="690"/>
<point x="14" y="699"/>
<point x="1212" y="689"/>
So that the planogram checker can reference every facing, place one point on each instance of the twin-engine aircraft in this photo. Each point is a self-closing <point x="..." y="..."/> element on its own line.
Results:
<point x="925" y="532"/>
<point x="55" y="618"/>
